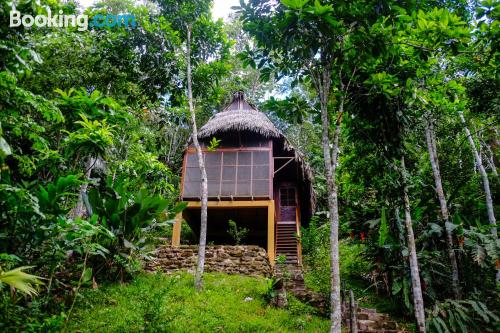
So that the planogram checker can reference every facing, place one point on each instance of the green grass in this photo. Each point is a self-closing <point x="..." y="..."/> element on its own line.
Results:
<point x="160" y="303"/>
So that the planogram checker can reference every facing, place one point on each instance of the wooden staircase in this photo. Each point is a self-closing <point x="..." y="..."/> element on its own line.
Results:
<point x="286" y="241"/>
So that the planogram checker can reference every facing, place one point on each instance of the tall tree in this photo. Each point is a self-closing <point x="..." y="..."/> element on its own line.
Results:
<point x="418" y="299"/>
<point x="443" y="205"/>
<point x="484" y="176"/>
<point x="201" y="164"/>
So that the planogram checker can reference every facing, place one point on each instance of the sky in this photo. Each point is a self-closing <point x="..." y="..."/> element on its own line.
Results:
<point x="221" y="8"/>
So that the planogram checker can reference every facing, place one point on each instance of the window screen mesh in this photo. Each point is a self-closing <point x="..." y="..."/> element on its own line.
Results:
<point x="287" y="204"/>
<point x="235" y="173"/>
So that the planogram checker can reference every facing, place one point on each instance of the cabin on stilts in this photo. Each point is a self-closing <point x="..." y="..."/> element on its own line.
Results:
<point x="255" y="178"/>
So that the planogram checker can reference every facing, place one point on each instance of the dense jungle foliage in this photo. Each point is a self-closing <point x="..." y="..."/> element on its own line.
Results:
<point x="93" y="125"/>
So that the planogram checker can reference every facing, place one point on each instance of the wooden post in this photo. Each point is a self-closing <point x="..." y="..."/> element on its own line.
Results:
<point x="270" y="232"/>
<point x="176" y="233"/>
<point x="299" y="243"/>
<point x="354" y="312"/>
<point x="269" y="204"/>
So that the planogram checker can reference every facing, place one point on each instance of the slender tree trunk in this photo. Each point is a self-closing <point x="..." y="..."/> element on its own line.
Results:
<point x="330" y="159"/>
<point x="494" y="143"/>
<point x="432" y="147"/>
<point x="491" y="162"/>
<point x="201" y="164"/>
<point x="79" y="210"/>
<point x="490" y="157"/>
<point x="335" y="300"/>
<point x="418" y="300"/>
<point x="484" y="176"/>
<point x="322" y="82"/>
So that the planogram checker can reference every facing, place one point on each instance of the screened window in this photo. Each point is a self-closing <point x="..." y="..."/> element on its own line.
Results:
<point x="230" y="173"/>
<point x="287" y="196"/>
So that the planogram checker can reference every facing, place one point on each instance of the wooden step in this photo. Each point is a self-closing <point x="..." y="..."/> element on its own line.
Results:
<point x="286" y="241"/>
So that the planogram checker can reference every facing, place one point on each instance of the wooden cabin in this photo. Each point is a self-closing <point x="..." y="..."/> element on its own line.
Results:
<point x="255" y="178"/>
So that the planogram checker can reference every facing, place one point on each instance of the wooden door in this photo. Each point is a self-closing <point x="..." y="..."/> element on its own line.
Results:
<point x="287" y="203"/>
<point x="286" y="224"/>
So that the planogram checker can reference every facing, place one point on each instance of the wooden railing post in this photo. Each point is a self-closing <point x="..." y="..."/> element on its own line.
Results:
<point x="354" y="313"/>
<point x="270" y="231"/>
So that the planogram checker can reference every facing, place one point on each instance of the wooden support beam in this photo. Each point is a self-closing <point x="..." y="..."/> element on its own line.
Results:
<point x="270" y="232"/>
<point x="176" y="232"/>
<point x="284" y="165"/>
<point x="269" y="204"/>
<point x="232" y="204"/>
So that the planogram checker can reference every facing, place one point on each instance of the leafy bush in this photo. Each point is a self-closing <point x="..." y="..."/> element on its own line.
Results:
<point x="316" y="247"/>
<point x="460" y="316"/>
<point x="236" y="232"/>
<point x="17" y="315"/>
<point x="129" y="216"/>
<point x="271" y="288"/>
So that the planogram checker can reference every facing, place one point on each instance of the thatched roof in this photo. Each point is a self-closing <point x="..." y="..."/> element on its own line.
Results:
<point x="239" y="120"/>
<point x="240" y="115"/>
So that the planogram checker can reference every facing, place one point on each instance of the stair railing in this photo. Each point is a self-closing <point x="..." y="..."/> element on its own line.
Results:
<point x="349" y="308"/>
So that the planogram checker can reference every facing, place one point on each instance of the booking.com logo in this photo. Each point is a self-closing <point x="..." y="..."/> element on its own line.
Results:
<point x="63" y="21"/>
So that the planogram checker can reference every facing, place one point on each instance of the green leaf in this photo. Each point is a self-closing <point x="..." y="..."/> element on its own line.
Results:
<point x="437" y="324"/>
<point x="294" y="4"/>
<point x="396" y="287"/>
<point x="479" y="311"/>
<point x="20" y="280"/>
<point x="450" y="226"/>
<point x="440" y="323"/>
<point x="383" y="231"/>
<point x="333" y="22"/>
<point x="180" y="206"/>
<point x="4" y="148"/>
<point x="87" y="275"/>
<point x="406" y="292"/>
<point x="214" y="143"/>
<point x="319" y="9"/>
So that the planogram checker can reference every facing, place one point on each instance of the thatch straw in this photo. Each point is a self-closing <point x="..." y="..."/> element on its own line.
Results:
<point x="240" y="120"/>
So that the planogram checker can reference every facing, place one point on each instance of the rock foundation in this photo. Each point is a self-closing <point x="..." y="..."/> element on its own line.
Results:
<point x="242" y="259"/>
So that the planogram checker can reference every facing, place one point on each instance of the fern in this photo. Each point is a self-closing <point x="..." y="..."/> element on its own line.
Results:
<point x="459" y="316"/>
<point x="19" y="280"/>
<point x="483" y="247"/>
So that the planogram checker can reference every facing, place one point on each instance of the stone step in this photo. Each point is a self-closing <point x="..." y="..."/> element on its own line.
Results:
<point x="366" y="325"/>
<point x="383" y="331"/>
<point x="390" y="325"/>
<point x="367" y="310"/>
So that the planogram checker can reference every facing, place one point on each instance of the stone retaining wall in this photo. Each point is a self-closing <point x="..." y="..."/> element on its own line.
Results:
<point x="242" y="259"/>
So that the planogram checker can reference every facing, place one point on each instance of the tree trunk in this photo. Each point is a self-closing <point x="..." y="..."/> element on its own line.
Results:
<point x="201" y="164"/>
<point x="80" y="209"/>
<point x="484" y="176"/>
<point x="330" y="159"/>
<point x="418" y="300"/>
<point x="432" y="147"/>
<point x="490" y="157"/>
<point x="494" y="143"/>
